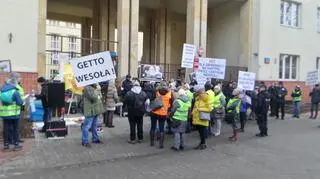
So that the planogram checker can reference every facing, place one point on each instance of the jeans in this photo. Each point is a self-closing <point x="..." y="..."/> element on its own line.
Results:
<point x="136" y="122"/>
<point x="157" y="119"/>
<point x="178" y="140"/>
<point x="90" y="122"/>
<point x="47" y="114"/>
<point x="314" y="109"/>
<point x="296" y="108"/>
<point x="202" y="133"/>
<point x="10" y="131"/>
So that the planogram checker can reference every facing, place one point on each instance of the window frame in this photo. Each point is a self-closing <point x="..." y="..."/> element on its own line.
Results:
<point x="318" y="19"/>
<point x="284" y="16"/>
<point x="282" y="65"/>
<point x="317" y="63"/>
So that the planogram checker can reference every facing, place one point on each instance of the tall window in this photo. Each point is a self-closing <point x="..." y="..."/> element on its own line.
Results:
<point x="54" y="22"/>
<point x="318" y="63"/>
<point x="55" y="43"/>
<point x="72" y="44"/>
<point x="318" y="18"/>
<point x="55" y="47"/>
<point x="290" y="13"/>
<point x="288" y="66"/>
<point x="71" y="24"/>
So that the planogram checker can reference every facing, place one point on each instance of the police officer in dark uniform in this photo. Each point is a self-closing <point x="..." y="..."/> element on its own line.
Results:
<point x="262" y="107"/>
<point x="282" y="93"/>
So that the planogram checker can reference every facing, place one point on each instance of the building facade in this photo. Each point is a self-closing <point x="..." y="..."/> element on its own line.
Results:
<point x="276" y="39"/>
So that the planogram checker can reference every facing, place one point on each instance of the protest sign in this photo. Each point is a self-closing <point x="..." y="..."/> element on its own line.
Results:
<point x="151" y="73"/>
<point x="188" y="54"/>
<point x="70" y="81"/>
<point x="212" y="68"/>
<point x="246" y="80"/>
<point x="5" y="66"/>
<point x="312" y="78"/>
<point x="93" y="69"/>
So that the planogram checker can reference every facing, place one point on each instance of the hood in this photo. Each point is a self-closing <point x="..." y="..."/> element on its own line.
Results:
<point x="8" y="87"/>
<point x="183" y="98"/>
<point x="136" y="89"/>
<point x="163" y="91"/>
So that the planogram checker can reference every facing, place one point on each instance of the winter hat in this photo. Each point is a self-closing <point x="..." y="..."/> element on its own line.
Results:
<point x="113" y="54"/>
<point x="217" y="88"/>
<point x="198" y="88"/>
<point x="136" y="83"/>
<point x="14" y="77"/>
<point x="182" y="92"/>
<point x="236" y="92"/>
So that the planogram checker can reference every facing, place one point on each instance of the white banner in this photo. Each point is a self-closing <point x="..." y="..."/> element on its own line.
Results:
<point x="246" y="80"/>
<point x="212" y="68"/>
<point x="93" y="69"/>
<point x="312" y="78"/>
<point x="188" y="54"/>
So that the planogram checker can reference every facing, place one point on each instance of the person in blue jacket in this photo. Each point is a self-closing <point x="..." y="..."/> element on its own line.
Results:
<point x="243" y="111"/>
<point x="10" y="111"/>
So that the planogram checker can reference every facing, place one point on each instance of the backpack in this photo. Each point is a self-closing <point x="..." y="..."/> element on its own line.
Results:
<point x="6" y="97"/>
<point x="139" y="104"/>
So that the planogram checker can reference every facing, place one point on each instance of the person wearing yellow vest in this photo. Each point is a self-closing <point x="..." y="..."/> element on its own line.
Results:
<point x="219" y="103"/>
<point x="179" y="118"/>
<point x="190" y="95"/>
<point x="10" y="110"/>
<point x="160" y="115"/>
<point x="233" y="112"/>
<point x="208" y="87"/>
<point x="296" y="98"/>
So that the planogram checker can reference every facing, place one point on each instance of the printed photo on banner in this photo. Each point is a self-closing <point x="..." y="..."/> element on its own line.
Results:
<point x="188" y="54"/>
<point x="151" y="73"/>
<point x="246" y="80"/>
<point x="93" y="69"/>
<point x="5" y="66"/>
<point x="201" y="80"/>
<point x="212" y="68"/>
<point x="70" y="81"/>
<point x="312" y="78"/>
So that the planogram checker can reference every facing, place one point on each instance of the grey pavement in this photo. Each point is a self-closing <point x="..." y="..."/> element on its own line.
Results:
<point x="290" y="152"/>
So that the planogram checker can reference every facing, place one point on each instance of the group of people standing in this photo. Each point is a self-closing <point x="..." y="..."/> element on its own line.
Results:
<point x="188" y="106"/>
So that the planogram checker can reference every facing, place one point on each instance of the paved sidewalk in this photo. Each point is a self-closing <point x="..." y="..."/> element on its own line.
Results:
<point x="47" y="155"/>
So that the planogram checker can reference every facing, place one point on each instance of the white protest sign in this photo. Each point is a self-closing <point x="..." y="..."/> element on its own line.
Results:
<point x="188" y="54"/>
<point x="312" y="78"/>
<point x="5" y="66"/>
<point x="93" y="69"/>
<point x="201" y="80"/>
<point x="212" y="68"/>
<point x="246" y="80"/>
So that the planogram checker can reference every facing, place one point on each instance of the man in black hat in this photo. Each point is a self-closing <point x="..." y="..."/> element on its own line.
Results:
<point x="262" y="107"/>
<point x="281" y="100"/>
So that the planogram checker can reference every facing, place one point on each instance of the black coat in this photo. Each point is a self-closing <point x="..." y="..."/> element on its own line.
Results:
<point x="282" y="93"/>
<point x="126" y="85"/>
<point x="315" y="95"/>
<point x="135" y="103"/>
<point x="263" y="102"/>
<point x="43" y="96"/>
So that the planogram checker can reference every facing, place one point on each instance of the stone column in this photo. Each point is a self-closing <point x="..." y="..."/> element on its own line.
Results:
<point x="246" y="33"/>
<point x="197" y="11"/>
<point x="128" y="28"/>
<point x="107" y="24"/>
<point x="86" y="35"/>
<point x="42" y="16"/>
<point x="95" y="26"/>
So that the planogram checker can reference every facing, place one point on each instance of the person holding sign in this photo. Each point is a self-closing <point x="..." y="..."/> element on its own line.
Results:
<point x="92" y="108"/>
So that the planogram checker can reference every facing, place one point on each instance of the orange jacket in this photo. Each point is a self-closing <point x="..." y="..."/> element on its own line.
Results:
<point x="163" y="111"/>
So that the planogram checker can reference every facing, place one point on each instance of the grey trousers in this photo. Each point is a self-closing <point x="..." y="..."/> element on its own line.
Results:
<point x="178" y="140"/>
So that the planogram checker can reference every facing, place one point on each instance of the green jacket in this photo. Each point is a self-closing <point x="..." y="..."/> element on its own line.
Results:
<point x="92" y="104"/>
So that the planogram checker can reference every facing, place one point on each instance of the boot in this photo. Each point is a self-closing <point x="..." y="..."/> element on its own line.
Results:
<point x="161" y="141"/>
<point x="234" y="137"/>
<point x="152" y="134"/>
